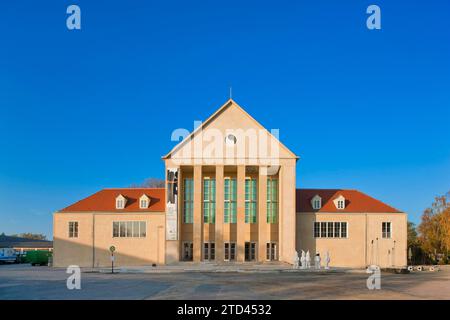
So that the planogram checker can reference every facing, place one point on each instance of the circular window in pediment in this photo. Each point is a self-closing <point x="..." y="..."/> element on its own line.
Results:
<point x="230" y="139"/>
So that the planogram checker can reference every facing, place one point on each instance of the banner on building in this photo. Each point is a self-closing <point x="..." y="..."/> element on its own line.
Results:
<point x="172" y="204"/>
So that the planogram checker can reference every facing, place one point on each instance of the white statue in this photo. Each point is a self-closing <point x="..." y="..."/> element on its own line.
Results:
<point x="303" y="260"/>
<point x="317" y="261"/>
<point x="307" y="260"/>
<point x="327" y="260"/>
<point x="296" y="259"/>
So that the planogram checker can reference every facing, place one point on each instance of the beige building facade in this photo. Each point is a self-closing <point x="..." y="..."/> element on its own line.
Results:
<point x="230" y="197"/>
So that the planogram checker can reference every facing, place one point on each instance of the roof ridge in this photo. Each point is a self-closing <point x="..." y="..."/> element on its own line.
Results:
<point x="379" y="201"/>
<point x="362" y="202"/>
<point x="92" y="194"/>
<point x="104" y="199"/>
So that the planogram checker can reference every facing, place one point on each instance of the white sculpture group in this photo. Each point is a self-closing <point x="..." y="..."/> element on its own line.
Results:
<point x="304" y="262"/>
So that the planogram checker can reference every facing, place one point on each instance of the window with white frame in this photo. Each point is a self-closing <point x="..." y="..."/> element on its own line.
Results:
<point x="323" y="229"/>
<point x="339" y="202"/>
<point x="144" y="201"/>
<point x="73" y="229"/>
<point x="271" y="251"/>
<point x="129" y="229"/>
<point x="316" y="229"/>
<point x="343" y="229"/>
<point x="316" y="202"/>
<point x="188" y="201"/>
<point x="386" y="230"/>
<point x="120" y="202"/>
<point x="250" y="200"/>
<point x="330" y="229"/>
<point x="209" y="200"/>
<point x="250" y="251"/>
<point x="230" y="251"/>
<point x="209" y="251"/>
<point x="230" y="198"/>
<point x="272" y="200"/>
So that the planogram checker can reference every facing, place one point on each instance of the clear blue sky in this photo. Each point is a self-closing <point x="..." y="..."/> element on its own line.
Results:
<point x="363" y="109"/>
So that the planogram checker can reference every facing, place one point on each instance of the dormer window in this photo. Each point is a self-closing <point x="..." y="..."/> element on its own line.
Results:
<point x="120" y="202"/>
<point x="316" y="202"/>
<point x="339" y="202"/>
<point x="144" y="201"/>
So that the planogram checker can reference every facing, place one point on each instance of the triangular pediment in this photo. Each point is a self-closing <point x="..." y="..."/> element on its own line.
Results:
<point x="231" y="133"/>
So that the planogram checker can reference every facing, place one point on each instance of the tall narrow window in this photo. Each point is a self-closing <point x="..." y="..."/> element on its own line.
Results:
<point x="330" y="230"/>
<point x="135" y="231"/>
<point x="271" y="251"/>
<point x="209" y="200"/>
<point x="232" y="251"/>
<point x="206" y="251"/>
<point x="316" y="229"/>
<point x="188" y="201"/>
<point x="227" y="251"/>
<point x="323" y="229"/>
<point x="272" y="200"/>
<point x="73" y="229"/>
<point x="343" y="229"/>
<point x="230" y="197"/>
<point x="250" y="200"/>
<point x="116" y="229"/>
<point x="212" y="251"/>
<point x="386" y="230"/>
<point x="250" y="251"/>
<point x="142" y="229"/>
<point x="337" y="229"/>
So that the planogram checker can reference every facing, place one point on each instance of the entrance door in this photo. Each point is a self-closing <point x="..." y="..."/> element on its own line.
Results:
<point x="188" y="249"/>
<point x="209" y="251"/>
<point x="271" y="251"/>
<point x="230" y="251"/>
<point x="250" y="251"/>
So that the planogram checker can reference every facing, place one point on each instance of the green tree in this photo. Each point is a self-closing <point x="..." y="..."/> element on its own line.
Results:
<point x="412" y="234"/>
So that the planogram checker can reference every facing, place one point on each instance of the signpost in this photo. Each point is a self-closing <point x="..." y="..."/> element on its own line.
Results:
<point x="112" y="249"/>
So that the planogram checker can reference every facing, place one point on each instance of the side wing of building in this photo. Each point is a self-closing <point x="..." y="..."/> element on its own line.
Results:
<point x="363" y="232"/>
<point x="84" y="232"/>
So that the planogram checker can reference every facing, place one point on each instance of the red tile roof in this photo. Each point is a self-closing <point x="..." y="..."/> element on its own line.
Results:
<point x="355" y="201"/>
<point x="105" y="200"/>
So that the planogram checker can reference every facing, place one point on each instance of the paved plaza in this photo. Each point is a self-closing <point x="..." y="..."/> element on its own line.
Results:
<point x="26" y="282"/>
